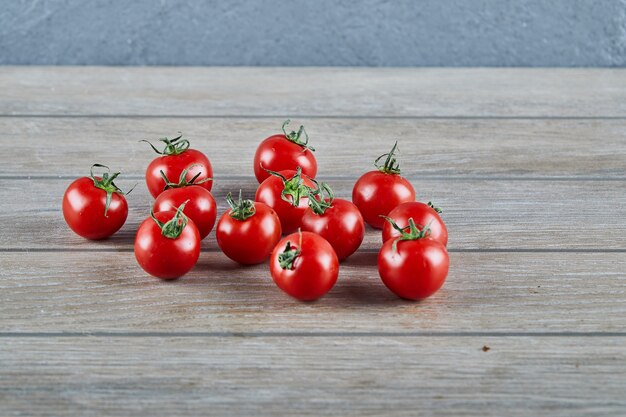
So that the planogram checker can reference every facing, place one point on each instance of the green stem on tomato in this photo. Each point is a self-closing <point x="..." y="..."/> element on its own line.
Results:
<point x="174" y="146"/>
<point x="241" y="209"/>
<point x="105" y="182"/>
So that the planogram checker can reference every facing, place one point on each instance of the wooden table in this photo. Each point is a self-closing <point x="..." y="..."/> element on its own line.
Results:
<point x="529" y="166"/>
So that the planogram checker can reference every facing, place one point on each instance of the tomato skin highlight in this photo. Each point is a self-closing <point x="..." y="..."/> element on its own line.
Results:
<point x="416" y="270"/>
<point x="173" y="166"/>
<point x="277" y="153"/>
<point x="269" y="192"/>
<point x="163" y="257"/>
<point x="422" y="215"/>
<point x="83" y="209"/>
<point x="201" y="207"/>
<point x="376" y="193"/>
<point x="314" y="271"/>
<point x="252" y="240"/>
<point x="341" y="225"/>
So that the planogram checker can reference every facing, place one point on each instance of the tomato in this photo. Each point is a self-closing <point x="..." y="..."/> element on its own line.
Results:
<point x="176" y="157"/>
<point x="413" y="266"/>
<point x="201" y="207"/>
<point x="283" y="152"/>
<point x="376" y="193"/>
<point x="167" y="245"/>
<point x="93" y="207"/>
<point x="422" y="214"/>
<point x="304" y="265"/>
<point x="287" y="193"/>
<point x="248" y="232"/>
<point x="336" y="220"/>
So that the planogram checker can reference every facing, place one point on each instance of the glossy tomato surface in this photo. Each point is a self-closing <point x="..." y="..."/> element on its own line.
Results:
<point x="173" y="166"/>
<point x="376" y="193"/>
<point x="201" y="207"/>
<point x="269" y="192"/>
<point x="83" y="209"/>
<point x="277" y="153"/>
<point x="252" y="240"/>
<point x="161" y="256"/>
<point x="416" y="269"/>
<point x="341" y="225"/>
<point x="314" y="271"/>
<point x="422" y="214"/>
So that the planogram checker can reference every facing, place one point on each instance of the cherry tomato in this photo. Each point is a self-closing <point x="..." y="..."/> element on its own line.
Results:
<point x="248" y="232"/>
<point x="201" y="207"/>
<point x="422" y="214"/>
<point x="167" y="245"/>
<point x="287" y="193"/>
<point x="413" y="266"/>
<point x="336" y="220"/>
<point x="283" y="152"/>
<point x="378" y="192"/>
<point x="93" y="207"/>
<point x="176" y="157"/>
<point x="304" y="265"/>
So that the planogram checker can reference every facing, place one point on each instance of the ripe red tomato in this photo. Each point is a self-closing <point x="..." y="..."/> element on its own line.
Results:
<point x="336" y="220"/>
<point x="201" y="207"/>
<point x="424" y="215"/>
<point x="378" y="192"/>
<point x="304" y="265"/>
<point x="287" y="192"/>
<point x="413" y="266"/>
<point x="93" y="207"/>
<point x="248" y="232"/>
<point x="167" y="245"/>
<point x="286" y="151"/>
<point x="176" y="157"/>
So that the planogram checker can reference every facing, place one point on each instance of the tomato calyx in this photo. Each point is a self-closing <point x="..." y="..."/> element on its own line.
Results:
<point x="437" y="209"/>
<point x="182" y="179"/>
<point x="174" y="227"/>
<point x="174" y="146"/>
<point x="288" y="256"/>
<point x="105" y="182"/>
<point x="319" y="204"/>
<point x="413" y="233"/>
<point x="293" y="186"/>
<point x="391" y="165"/>
<point x="294" y="136"/>
<point x="241" y="209"/>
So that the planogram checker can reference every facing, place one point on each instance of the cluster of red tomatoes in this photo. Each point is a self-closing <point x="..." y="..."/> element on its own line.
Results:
<point x="320" y="230"/>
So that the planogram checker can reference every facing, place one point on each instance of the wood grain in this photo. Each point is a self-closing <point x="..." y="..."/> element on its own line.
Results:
<point x="505" y="292"/>
<point x="344" y="147"/>
<point x="283" y="92"/>
<point x="354" y="376"/>
<point x="480" y="215"/>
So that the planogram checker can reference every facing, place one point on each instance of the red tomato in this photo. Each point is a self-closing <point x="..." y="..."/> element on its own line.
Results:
<point x="422" y="214"/>
<point x="413" y="266"/>
<point x="378" y="192"/>
<point x="287" y="193"/>
<point x="93" y="207"/>
<point x="282" y="152"/>
<point x="176" y="157"/>
<point x="167" y="245"/>
<point x="304" y="265"/>
<point x="248" y="232"/>
<point x="336" y="220"/>
<point x="201" y="208"/>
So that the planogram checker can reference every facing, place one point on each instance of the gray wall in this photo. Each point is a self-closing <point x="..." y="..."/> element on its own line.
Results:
<point x="314" y="32"/>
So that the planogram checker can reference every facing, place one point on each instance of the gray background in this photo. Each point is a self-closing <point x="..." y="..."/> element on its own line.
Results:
<point x="317" y="33"/>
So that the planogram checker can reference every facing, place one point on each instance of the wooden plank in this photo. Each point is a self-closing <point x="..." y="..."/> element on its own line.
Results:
<point x="314" y="91"/>
<point x="483" y="215"/>
<point x="355" y="376"/>
<point x="84" y="292"/>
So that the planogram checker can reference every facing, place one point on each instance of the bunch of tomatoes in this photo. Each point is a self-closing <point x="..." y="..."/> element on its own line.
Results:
<point x="319" y="230"/>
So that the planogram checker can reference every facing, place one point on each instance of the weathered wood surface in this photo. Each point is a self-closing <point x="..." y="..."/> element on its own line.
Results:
<point x="371" y="92"/>
<point x="344" y="147"/>
<point x="313" y="376"/>
<point x="502" y="292"/>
